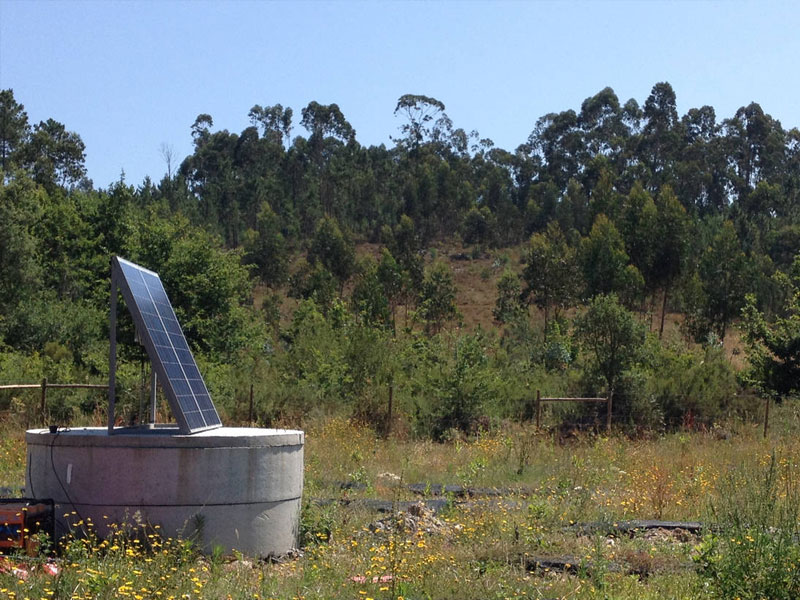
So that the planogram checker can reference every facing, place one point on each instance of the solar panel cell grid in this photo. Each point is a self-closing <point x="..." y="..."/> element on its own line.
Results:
<point x="184" y="356"/>
<point x="167" y="347"/>
<point x="160" y="338"/>
<point x="198" y="387"/>
<point x="179" y="342"/>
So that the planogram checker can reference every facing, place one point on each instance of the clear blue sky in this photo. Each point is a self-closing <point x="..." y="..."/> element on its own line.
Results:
<point x="129" y="76"/>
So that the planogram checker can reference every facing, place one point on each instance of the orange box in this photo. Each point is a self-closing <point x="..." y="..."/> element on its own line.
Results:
<point x="19" y="520"/>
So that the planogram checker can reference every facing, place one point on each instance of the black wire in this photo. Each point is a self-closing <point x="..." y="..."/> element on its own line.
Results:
<point x="64" y="489"/>
<point x="30" y="480"/>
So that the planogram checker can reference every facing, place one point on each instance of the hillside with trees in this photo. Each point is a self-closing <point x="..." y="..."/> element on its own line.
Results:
<point x="324" y="272"/>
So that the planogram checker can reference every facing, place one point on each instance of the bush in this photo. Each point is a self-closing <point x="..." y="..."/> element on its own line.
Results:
<point x="691" y="387"/>
<point x="459" y="389"/>
<point x="611" y="339"/>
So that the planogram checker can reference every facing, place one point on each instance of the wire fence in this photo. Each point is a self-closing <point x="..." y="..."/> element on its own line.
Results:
<point x="601" y="413"/>
<point x="664" y="412"/>
<point x="42" y="413"/>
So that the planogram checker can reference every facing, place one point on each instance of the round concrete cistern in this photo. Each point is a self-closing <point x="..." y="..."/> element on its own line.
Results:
<point x="230" y="487"/>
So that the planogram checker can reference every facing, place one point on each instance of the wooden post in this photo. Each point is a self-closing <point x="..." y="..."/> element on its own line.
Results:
<point x="609" y="405"/>
<point x="766" y="417"/>
<point x="43" y="407"/>
<point x="250" y="412"/>
<point x="538" y="409"/>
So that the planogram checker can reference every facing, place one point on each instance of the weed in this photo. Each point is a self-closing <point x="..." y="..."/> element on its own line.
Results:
<point x="755" y="553"/>
<point x="479" y="547"/>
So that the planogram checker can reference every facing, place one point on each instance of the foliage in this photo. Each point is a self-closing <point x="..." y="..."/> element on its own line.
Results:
<point x="76" y="325"/>
<point x="615" y="198"/>
<point x="774" y="345"/>
<point x="605" y="265"/>
<point x="369" y="295"/>
<point x="14" y="128"/>
<point x="690" y="387"/>
<point x="479" y="226"/>
<point x="20" y="210"/>
<point x="265" y="248"/>
<point x="551" y="271"/>
<point x="755" y="552"/>
<point x="313" y="283"/>
<point x="508" y="305"/>
<point x="719" y="286"/>
<point x="333" y="250"/>
<point x="53" y="155"/>
<point x="459" y="387"/>
<point x="405" y="246"/>
<point x="611" y="336"/>
<point x="394" y="281"/>
<point x="208" y="285"/>
<point x="437" y="298"/>
<point x="558" y="351"/>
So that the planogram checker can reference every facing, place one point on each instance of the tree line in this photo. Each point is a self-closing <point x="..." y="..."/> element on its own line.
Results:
<point x="616" y="203"/>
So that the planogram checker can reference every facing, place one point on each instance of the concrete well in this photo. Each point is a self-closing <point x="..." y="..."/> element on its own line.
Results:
<point x="235" y="488"/>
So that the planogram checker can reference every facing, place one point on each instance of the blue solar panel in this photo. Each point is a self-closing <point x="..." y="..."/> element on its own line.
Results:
<point x="167" y="348"/>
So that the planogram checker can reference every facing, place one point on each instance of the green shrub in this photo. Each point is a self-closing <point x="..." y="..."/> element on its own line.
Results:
<point x="459" y="389"/>
<point x="691" y="386"/>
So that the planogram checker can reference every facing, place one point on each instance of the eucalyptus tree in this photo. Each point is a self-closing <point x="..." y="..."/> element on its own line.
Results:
<point x="638" y="225"/>
<point x="701" y="172"/>
<point x="334" y="250"/>
<point x="661" y="134"/>
<point x="612" y="338"/>
<point x="773" y="344"/>
<point x="756" y="145"/>
<point x="722" y="280"/>
<point x="552" y="276"/>
<point x="605" y="132"/>
<point x="606" y="265"/>
<point x="508" y="305"/>
<point x="324" y="121"/>
<point x="671" y="244"/>
<point x="54" y="156"/>
<point x="437" y="298"/>
<point x="558" y="140"/>
<point x="14" y="128"/>
<point x="330" y="134"/>
<point x="275" y="121"/>
<point x="265" y="248"/>
<point x="424" y="116"/>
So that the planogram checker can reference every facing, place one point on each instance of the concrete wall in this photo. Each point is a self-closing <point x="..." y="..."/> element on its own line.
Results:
<point x="238" y="488"/>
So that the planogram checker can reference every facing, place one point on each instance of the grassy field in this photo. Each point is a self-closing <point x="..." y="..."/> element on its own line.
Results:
<point x="517" y="497"/>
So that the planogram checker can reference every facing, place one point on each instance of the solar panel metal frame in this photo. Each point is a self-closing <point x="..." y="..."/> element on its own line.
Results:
<point x="149" y="326"/>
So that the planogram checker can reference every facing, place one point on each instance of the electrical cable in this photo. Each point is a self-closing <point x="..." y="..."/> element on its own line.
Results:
<point x="30" y="479"/>
<point x="60" y="483"/>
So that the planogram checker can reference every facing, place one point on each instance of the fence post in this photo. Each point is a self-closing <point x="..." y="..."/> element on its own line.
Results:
<point x="43" y="406"/>
<point x="538" y="409"/>
<point x="609" y="405"/>
<point x="766" y="417"/>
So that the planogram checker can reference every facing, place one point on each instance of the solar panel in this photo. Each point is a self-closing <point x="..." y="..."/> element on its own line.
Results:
<point x="169" y="353"/>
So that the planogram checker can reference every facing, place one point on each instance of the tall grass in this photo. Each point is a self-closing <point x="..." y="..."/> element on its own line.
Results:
<point x="755" y="552"/>
<point x="481" y="548"/>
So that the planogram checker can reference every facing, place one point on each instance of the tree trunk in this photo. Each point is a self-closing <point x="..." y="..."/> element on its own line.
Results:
<point x="546" y="311"/>
<point x="663" y="312"/>
<point x="390" y="408"/>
